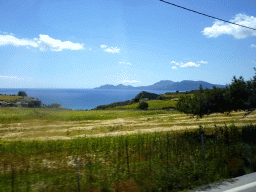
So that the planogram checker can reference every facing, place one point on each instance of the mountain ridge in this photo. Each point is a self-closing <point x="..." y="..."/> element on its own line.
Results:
<point x="185" y="85"/>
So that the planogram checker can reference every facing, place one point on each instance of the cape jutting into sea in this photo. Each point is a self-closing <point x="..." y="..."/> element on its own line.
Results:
<point x="78" y="99"/>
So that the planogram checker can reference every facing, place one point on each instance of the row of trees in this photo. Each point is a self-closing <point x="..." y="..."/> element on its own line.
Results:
<point x="239" y="95"/>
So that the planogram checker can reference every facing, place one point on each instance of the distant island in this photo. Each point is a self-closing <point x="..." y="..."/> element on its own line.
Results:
<point x="186" y="85"/>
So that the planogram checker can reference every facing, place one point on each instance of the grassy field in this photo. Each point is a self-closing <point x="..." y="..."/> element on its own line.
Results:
<point x="52" y="124"/>
<point x="12" y="114"/>
<point x="163" y="161"/>
<point x="119" y="150"/>
<point x="9" y="98"/>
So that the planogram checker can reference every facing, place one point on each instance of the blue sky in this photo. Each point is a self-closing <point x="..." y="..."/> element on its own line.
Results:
<point x="85" y="44"/>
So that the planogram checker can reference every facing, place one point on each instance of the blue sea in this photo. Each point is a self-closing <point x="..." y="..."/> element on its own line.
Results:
<point x="78" y="99"/>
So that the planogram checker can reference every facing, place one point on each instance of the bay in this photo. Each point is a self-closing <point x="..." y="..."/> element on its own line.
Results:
<point x="79" y="99"/>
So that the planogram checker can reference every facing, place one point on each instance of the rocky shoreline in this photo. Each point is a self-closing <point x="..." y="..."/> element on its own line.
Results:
<point x="24" y="101"/>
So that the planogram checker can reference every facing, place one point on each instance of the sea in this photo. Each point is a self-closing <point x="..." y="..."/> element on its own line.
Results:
<point x="79" y="99"/>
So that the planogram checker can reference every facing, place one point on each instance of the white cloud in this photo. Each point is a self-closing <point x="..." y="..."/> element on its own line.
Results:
<point x="220" y="27"/>
<point x="11" y="40"/>
<point x="103" y="46"/>
<point x="124" y="63"/>
<point x="90" y="49"/>
<point x="11" y="77"/>
<point x="253" y="46"/>
<point x="112" y="50"/>
<point x="190" y="64"/>
<point x="203" y="62"/>
<point x="46" y="42"/>
<point x="43" y="43"/>
<point x="130" y="81"/>
<point x="176" y="63"/>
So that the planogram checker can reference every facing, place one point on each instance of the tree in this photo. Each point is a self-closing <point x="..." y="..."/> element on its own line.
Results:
<point x="217" y="100"/>
<point x="196" y="105"/>
<point x="184" y="104"/>
<point x="199" y="103"/>
<point x="143" y="105"/>
<point x="55" y="105"/>
<point x="251" y="87"/>
<point x="22" y="93"/>
<point x="238" y="93"/>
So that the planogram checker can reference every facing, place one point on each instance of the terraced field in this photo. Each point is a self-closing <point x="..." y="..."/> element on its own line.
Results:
<point x="39" y="129"/>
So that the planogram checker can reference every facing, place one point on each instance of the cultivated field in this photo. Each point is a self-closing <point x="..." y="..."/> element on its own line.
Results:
<point x="9" y="98"/>
<point x="119" y="150"/>
<point x="47" y="124"/>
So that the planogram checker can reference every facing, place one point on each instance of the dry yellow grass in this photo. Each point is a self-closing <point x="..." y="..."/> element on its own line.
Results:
<point x="9" y="98"/>
<point x="64" y="130"/>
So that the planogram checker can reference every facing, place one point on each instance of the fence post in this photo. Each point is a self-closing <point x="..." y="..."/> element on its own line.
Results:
<point x="127" y="155"/>
<point x="202" y="141"/>
<point x="27" y="182"/>
<point x="251" y="158"/>
<point x="12" y="179"/>
<point x="77" y="171"/>
<point x="167" y="143"/>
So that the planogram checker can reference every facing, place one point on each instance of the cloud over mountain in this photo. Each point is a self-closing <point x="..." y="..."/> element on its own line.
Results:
<point x="130" y="81"/>
<point x="188" y="64"/>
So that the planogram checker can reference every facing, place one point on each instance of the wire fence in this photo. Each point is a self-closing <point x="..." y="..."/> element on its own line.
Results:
<point x="161" y="156"/>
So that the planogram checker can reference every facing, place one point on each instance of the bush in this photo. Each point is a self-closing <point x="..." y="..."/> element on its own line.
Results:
<point x="55" y="105"/>
<point x="143" y="105"/>
<point x="136" y="100"/>
<point x="22" y="93"/>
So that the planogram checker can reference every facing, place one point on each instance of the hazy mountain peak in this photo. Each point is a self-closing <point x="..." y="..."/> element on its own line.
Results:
<point x="185" y="85"/>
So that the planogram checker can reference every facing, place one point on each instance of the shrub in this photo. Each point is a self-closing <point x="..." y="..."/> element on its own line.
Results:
<point x="55" y="105"/>
<point x="22" y="93"/>
<point x="143" y="105"/>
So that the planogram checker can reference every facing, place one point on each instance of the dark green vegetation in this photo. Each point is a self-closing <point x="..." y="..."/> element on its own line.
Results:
<point x="143" y="105"/>
<point x="22" y="93"/>
<point x="165" y="161"/>
<point x="159" y="102"/>
<point x="239" y="95"/>
<point x="55" y="105"/>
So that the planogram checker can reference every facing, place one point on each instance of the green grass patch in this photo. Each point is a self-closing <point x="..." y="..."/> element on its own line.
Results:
<point x="10" y="115"/>
<point x="9" y="98"/>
